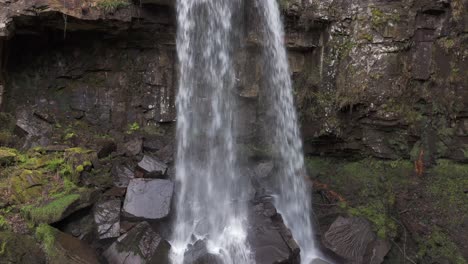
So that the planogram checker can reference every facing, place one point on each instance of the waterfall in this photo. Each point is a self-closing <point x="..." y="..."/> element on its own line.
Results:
<point x="211" y="196"/>
<point x="209" y="204"/>
<point x="293" y="200"/>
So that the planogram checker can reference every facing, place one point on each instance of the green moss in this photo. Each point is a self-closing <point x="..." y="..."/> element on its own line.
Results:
<point x="403" y="110"/>
<point x="380" y="19"/>
<point x="3" y="223"/>
<point x="7" y="156"/>
<point x="447" y="43"/>
<point x="79" y="168"/>
<point x="54" y="164"/>
<point x="69" y="136"/>
<point x="46" y="234"/>
<point x="78" y="150"/>
<point x="377" y="213"/>
<point x="372" y="183"/>
<point x="52" y="211"/>
<point x="439" y="246"/>
<point x="448" y="183"/>
<point x="111" y="6"/>
<point x="367" y="37"/>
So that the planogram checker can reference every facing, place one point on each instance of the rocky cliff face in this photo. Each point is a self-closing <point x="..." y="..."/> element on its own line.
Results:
<point x="384" y="79"/>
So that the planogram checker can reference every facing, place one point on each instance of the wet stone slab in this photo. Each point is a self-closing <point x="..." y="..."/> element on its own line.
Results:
<point x="148" y="198"/>
<point x="107" y="218"/>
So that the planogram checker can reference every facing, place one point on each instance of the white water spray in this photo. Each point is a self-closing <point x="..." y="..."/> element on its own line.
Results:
<point x="293" y="202"/>
<point x="206" y="169"/>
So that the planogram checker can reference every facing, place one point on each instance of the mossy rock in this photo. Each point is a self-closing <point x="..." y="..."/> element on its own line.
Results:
<point x="17" y="248"/>
<point x="27" y="186"/>
<point x="7" y="156"/>
<point x="62" y="248"/>
<point x="60" y="207"/>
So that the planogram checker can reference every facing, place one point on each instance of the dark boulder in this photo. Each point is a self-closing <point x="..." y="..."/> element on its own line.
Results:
<point x="122" y="174"/>
<point x="270" y="239"/>
<point x="197" y="253"/>
<point x="105" y="148"/>
<point x="148" y="198"/>
<point x="152" y="167"/>
<point x="353" y="239"/>
<point x="140" y="245"/>
<point x="107" y="218"/>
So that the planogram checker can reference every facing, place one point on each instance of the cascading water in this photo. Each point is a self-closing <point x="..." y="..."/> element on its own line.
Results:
<point x="293" y="200"/>
<point x="207" y="203"/>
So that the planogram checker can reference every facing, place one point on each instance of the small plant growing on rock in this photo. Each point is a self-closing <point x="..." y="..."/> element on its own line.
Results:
<point x="133" y="128"/>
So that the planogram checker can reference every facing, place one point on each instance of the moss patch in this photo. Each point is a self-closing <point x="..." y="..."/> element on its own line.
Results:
<point x="7" y="156"/>
<point x="368" y="185"/>
<point x="52" y="211"/>
<point x="46" y="234"/>
<point x="111" y="6"/>
<point x="440" y="248"/>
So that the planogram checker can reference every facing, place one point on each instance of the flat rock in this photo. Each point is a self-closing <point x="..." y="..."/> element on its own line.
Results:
<point x="353" y="239"/>
<point x="107" y="218"/>
<point x="140" y="245"/>
<point x="152" y="167"/>
<point x="148" y="198"/>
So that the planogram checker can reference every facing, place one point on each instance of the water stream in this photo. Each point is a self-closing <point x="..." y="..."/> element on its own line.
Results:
<point x="293" y="200"/>
<point x="210" y="199"/>
<point x="208" y="204"/>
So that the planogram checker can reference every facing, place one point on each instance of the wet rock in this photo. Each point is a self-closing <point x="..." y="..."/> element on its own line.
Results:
<point x="133" y="147"/>
<point x="64" y="248"/>
<point x="166" y="154"/>
<point x="263" y="170"/>
<point x="107" y="218"/>
<point x="152" y="167"/>
<point x="140" y="245"/>
<point x="106" y="147"/>
<point x="122" y="174"/>
<point x="353" y="239"/>
<point x="148" y="198"/>
<point x="197" y="253"/>
<point x="269" y="238"/>
<point x="319" y="261"/>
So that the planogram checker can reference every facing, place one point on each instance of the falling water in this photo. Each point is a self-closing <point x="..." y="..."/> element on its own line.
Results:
<point x="206" y="157"/>
<point x="293" y="200"/>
